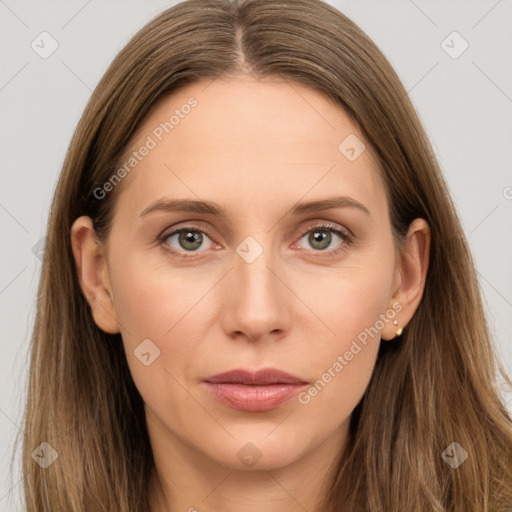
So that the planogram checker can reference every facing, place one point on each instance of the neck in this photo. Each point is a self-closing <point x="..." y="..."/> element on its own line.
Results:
<point x="184" y="480"/>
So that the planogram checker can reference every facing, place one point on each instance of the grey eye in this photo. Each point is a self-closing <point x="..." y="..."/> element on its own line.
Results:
<point x="188" y="239"/>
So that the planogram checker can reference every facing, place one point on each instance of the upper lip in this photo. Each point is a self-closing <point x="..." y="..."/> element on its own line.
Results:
<point x="255" y="377"/>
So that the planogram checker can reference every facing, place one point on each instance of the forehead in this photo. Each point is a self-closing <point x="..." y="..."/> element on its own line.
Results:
<point x="244" y="137"/>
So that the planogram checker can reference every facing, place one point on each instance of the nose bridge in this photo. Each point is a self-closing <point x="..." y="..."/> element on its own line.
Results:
<point x="256" y="305"/>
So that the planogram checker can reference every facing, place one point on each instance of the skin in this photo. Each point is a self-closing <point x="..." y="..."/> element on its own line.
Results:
<point x="255" y="147"/>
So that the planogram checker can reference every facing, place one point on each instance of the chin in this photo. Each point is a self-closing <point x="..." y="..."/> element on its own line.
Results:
<point x="259" y="449"/>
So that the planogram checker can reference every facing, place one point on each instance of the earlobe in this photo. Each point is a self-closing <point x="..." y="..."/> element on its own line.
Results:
<point x="412" y="268"/>
<point x="92" y="273"/>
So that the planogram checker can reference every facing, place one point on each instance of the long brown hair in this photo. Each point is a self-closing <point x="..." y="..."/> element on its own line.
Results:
<point x="435" y="386"/>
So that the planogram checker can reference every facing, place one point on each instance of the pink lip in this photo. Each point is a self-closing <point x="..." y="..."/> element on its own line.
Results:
<point x="254" y="391"/>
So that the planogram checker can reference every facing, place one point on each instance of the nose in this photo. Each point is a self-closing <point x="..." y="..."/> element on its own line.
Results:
<point x="257" y="304"/>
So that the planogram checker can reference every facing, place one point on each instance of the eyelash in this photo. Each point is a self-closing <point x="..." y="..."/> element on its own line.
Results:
<point x="344" y="234"/>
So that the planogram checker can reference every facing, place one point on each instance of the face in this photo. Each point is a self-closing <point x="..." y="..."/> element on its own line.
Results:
<point x="265" y="282"/>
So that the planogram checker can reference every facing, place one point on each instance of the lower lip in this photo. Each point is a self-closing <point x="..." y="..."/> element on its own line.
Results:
<point x="254" y="398"/>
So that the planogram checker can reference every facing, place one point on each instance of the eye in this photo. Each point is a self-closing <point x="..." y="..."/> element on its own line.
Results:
<point x="321" y="237"/>
<point x="186" y="239"/>
<point x="190" y="239"/>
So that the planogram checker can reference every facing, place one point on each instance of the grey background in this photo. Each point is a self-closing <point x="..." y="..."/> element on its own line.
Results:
<point x="464" y="103"/>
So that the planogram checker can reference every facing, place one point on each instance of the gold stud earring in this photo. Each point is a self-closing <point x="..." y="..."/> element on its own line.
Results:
<point x="398" y="331"/>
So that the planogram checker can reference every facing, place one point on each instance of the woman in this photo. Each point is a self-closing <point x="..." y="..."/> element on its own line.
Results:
<point x="256" y="293"/>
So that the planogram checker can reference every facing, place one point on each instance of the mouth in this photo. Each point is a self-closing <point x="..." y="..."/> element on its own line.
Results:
<point x="254" y="391"/>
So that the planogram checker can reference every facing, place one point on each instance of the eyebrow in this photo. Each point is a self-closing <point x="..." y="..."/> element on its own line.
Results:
<point x="212" y="208"/>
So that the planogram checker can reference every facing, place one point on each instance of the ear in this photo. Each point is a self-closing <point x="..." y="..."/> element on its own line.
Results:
<point x="93" y="274"/>
<point x="409" y="279"/>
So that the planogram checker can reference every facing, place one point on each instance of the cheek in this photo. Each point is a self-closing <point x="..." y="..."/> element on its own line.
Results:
<point x="153" y="298"/>
<point x="158" y="303"/>
<point x="353" y="307"/>
<point x="349" y="301"/>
